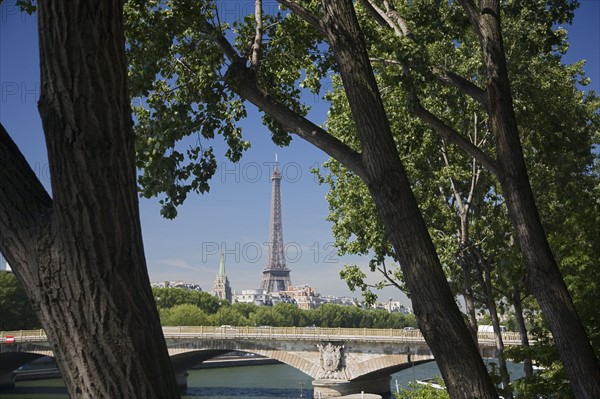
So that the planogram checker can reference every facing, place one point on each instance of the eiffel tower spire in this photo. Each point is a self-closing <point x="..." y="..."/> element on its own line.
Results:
<point x="276" y="275"/>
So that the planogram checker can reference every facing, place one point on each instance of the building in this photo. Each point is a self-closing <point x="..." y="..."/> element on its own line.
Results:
<point x="258" y="297"/>
<point x="221" y="287"/>
<point x="4" y="267"/>
<point x="177" y="284"/>
<point x="276" y="275"/>
<point x="342" y="301"/>
<point x="396" y="306"/>
<point x="304" y="296"/>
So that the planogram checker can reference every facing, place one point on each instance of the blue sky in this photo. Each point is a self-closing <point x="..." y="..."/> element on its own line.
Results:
<point x="235" y="214"/>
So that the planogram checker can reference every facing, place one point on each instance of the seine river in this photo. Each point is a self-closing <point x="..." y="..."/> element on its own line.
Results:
<point x="274" y="381"/>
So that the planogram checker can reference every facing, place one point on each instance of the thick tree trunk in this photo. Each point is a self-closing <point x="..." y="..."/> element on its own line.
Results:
<point x="544" y="277"/>
<point x="80" y="255"/>
<point x="438" y="316"/>
<point x="527" y="364"/>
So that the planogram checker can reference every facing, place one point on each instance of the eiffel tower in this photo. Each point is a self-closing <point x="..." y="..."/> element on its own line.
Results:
<point x="276" y="275"/>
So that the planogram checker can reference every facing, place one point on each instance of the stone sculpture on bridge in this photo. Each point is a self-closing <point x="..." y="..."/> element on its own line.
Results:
<point x="330" y="359"/>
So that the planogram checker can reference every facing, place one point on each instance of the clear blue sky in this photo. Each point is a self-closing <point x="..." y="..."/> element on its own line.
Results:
<point x="235" y="214"/>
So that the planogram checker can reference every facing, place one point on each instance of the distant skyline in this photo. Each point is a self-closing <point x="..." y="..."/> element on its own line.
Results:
<point x="234" y="215"/>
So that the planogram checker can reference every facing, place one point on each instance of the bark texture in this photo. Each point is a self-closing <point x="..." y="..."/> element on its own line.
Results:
<point x="80" y="254"/>
<point x="485" y="276"/>
<point x="438" y="316"/>
<point x="517" y="303"/>
<point x="544" y="277"/>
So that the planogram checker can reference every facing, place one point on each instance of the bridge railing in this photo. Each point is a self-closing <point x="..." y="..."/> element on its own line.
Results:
<point x="510" y="338"/>
<point x="291" y="331"/>
<point x="319" y="332"/>
<point x="24" y="335"/>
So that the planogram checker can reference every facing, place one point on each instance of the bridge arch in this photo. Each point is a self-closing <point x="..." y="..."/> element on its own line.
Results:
<point x="10" y="361"/>
<point x="185" y="355"/>
<point x="366" y="367"/>
<point x="388" y="368"/>
<point x="386" y="364"/>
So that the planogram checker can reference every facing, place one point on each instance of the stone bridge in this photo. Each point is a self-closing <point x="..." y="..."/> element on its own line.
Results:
<point x="340" y="360"/>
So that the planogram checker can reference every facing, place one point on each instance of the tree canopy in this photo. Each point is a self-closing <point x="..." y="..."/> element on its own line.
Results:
<point x="408" y="87"/>
<point x="188" y="310"/>
<point x="16" y="312"/>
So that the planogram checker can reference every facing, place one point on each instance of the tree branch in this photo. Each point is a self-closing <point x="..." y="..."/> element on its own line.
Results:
<point x="244" y="84"/>
<point x="382" y="17"/>
<point x="450" y="78"/>
<point x="217" y="36"/>
<point x="475" y="170"/>
<point x="461" y="206"/>
<point x="255" y="58"/>
<point x="24" y="203"/>
<point x="242" y="80"/>
<point x="400" y="21"/>
<point x="376" y="12"/>
<point x="455" y="138"/>
<point x="473" y="14"/>
<point x="383" y="270"/>
<point x="464" y="85"/>
<point x="386" y="19"/>
<point x="305" y="14"/>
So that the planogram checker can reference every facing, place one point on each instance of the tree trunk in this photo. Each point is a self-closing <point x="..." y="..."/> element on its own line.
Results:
<point x="491" y="305"/>
<point x="470" y="304"/>
<point x="80" y="255"/>
<point x="438" y="316"/>
<point x="463" y="211"/>
<point x="527" y="365"/>
<point x="544" y="277"/>
<point x="466" y="268"/>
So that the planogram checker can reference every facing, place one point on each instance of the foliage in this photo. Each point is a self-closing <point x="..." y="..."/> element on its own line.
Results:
<point x="228" y="315"/>
<point x="176" y="306"/>
<point x="179" y="307"/>
<point x="183" y="315"/>
<point x="550" y="379"/>
<point x="16" y="312"/>
<point x="169" y="297"/>
<point x="422" y="391"/>
<point x="288" y="315"/>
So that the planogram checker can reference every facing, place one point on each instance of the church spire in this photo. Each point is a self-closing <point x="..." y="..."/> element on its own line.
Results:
<point x="221" y="287"/>
<point x="222" y="264"/>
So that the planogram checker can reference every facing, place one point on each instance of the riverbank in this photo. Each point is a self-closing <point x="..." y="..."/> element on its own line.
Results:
<point x="215" y="363"/>
<point x="235" y="361"/>
<point x="37" y="374"/>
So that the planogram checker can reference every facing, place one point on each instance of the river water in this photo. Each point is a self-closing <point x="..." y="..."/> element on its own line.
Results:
<point x="274" y="381"/>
